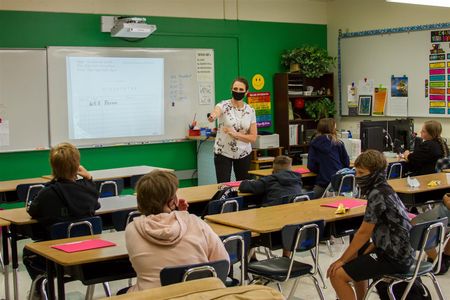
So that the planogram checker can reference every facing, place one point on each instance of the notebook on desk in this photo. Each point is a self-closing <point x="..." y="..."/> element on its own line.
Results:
<point x="83" y="245"/>
<point x="232" y="183"/>
<point x="302" y="170"/>
<point x="348" y="203"/>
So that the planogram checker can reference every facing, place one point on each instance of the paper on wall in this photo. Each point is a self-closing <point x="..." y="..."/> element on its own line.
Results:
<point x="4" y="133"/>
<point x="398" y="107"/>
<point x="366" y="87"/>
<point x="205" y="65"/>
<point x="205" y="93"/>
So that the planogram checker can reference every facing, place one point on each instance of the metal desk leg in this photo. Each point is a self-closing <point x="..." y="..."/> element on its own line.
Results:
<point x="5" y="260"/>
<point x="51" y="280"/>
<point x="15" y="260"/>
<point x="60" y="280"/>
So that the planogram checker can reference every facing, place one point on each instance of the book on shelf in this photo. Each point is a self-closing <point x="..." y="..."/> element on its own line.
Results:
<point x="268" y="158"/>
<point x="293" y="134"/>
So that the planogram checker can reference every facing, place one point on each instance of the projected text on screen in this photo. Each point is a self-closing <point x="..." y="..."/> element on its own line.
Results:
<point x="115" y="97"/>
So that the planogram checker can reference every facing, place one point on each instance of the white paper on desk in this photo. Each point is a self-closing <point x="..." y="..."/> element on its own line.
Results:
<point x="398" y="106"/>
<point x="365" y="87"/>
<point x="205" y="94"/>
<point x="4" y="133"/>
<point x="412" y="182"/>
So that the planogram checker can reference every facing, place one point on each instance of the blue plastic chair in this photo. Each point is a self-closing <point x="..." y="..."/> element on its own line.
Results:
<point x="176" y="274"/>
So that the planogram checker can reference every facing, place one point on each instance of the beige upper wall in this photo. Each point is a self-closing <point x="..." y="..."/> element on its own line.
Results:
<point x="292" y="11"/>
<point x="359" y="15"/>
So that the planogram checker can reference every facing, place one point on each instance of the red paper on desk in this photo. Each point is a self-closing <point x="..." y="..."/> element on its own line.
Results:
<point x="83" y="245"/>
<point x="348" y="203"/>
<point x="302" y="170"/>
<point x="232" y="183"/>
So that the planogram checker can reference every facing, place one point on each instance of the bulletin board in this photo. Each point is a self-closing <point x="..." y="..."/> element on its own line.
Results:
<point x="394" y="72"/>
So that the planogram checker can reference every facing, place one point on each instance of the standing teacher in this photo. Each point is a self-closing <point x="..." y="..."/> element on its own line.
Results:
<point x="237" y="130"/>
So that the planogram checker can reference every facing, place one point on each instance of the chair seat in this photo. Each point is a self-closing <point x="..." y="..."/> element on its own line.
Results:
<point x="425" y="267"/>
<point x="277" y="268"/>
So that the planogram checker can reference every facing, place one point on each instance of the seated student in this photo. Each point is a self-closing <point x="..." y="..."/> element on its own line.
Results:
<point x="385" y="221"/>
<point x="65" y="198"/>
<point x="439" y="211"/>
<point x="326" y="155"/>
<point x="282" y="182"/>
<point x="163" y="236"/>
<point x="425" y="155"/>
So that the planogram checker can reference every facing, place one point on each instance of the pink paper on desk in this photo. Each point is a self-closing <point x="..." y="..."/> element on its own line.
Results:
<point x="302" y="170"/>
<point x="411" y="216"/>
<point x="83" y="245"/>
<point x="232" y="183"/>
<point x="348" y="203"/>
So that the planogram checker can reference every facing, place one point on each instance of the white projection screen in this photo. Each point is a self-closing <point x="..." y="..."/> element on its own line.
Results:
<point x="109" y="96"/>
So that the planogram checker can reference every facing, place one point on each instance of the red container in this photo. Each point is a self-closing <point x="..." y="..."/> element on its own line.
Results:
<point x="194" y="132"/>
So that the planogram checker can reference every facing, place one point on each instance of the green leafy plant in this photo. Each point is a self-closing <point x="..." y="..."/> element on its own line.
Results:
<point x="313" y="61"/>
<point x="321" y="108"/>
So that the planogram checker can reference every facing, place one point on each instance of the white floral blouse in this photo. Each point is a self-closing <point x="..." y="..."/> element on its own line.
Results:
<point x="240" y="119"/>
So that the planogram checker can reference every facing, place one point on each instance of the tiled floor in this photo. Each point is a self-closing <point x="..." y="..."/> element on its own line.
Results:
<point x="305" y="290"/>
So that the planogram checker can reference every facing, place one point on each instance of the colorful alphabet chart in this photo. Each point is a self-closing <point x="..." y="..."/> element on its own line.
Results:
<point x="261" y="104"/>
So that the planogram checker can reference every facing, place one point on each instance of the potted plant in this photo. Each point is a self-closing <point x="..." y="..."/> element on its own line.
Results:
<point x="313" y="61"/>
<point x="290" y="59"/>
<point x="321" y="108"/>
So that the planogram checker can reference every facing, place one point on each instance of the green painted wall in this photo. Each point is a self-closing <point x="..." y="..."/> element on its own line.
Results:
<point x="240" y="48"/>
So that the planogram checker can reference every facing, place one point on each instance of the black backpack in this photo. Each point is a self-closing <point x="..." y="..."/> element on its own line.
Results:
<point x="418" y="291"/>
<point x="225" y="192"/>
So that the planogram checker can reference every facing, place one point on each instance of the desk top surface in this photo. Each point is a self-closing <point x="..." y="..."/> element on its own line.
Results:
<point x="106" y="174"/>
<point x="266" y="172"/>
<point x="101" y="254"/>
<point x="201" y="193"/>
<point x="400" y="185"/>
<point x="10" y="185"/>
<point x="4" y="222"/>
<point x="273" y="218"/>
<point x="19" y="216"/>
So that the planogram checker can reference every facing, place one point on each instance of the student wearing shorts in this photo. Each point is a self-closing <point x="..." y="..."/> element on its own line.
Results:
<point x="385" y="221"/>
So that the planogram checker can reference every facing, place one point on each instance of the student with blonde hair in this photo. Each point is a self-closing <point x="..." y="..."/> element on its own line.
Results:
<point x="326" y="155"/>
<point x="425" y="155"/>
<point x="166" y="234"/>
<point x="282" y="182"/>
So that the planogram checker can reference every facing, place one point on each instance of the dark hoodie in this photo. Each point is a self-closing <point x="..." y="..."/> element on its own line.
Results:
<point x="325" y="158"/>
<point x="64" y="200"/>
<point x="274" y="187"/>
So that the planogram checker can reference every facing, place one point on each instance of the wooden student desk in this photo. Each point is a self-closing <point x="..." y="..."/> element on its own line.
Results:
<point x="274" y="218"/>
<point x="10" y="185"/>
<point x="62" y="259"/>
<point x="124" y="172"/>
<point x="4" y="226"/>
<point x="19" y="217"/>
<point x="266" y="172"/>
<point x="201" y="193"/>
<point x="409" y="194"/>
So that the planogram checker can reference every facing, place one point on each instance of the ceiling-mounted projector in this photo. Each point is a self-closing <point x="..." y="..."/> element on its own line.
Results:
<point x="132" y="27"/>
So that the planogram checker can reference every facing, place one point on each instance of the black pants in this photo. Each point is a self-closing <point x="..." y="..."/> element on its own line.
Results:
<point x="223" y="167"/>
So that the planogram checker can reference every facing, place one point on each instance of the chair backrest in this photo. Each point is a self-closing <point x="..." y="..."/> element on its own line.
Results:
<point x="33" y="191"/>
<point x="426" y="236"/>
<point x="442" y="164"/>
<point x="121" y="218"/>
<point x="237" y="247"/>
<point x="301" y="198"/>
<point x="342" y="182"/>
<point x="302" y="237"/>
<point x="109" y="188"/>
<point x="395" y="170"/>
<point x="28" y="191"/>
<point x="171" y="275"/>
<point x="304" y="196"/>
<point x="225" y="205"/>
<point x="134" y="179"/>
<point x="87" y="226"/>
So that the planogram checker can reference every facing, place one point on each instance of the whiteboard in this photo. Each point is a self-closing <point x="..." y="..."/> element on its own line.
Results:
<point x="379" y="54"/>
<point x="188" y="90"/>
<point x="23" y="100"/>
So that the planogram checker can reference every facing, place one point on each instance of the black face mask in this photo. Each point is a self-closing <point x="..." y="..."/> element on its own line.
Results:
<point x="369" y="181"/>
<point x="238" y="95"/>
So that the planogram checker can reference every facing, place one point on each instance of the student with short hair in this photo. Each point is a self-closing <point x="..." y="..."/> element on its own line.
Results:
<point x="385" y="221"/>
<point x="425" y="155"/>
<point x="62" y="199"/>
<point x="282" y="182"/>
<point x="164" y="236"/>
<point x="326" y="155"/>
